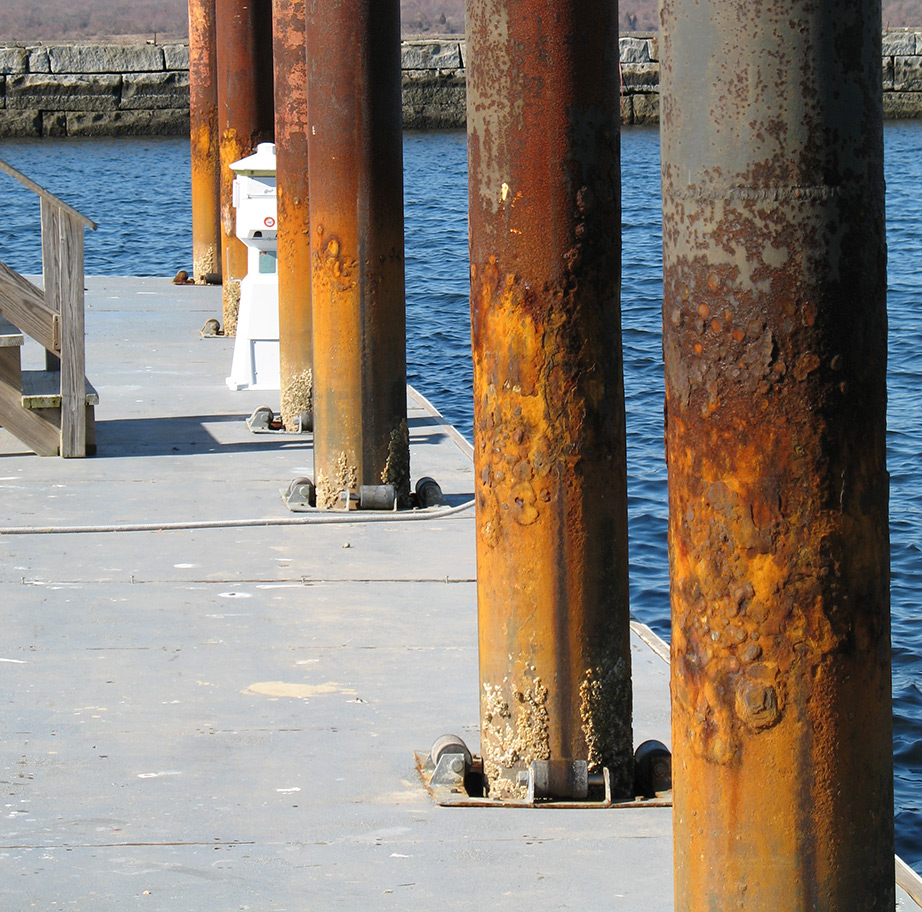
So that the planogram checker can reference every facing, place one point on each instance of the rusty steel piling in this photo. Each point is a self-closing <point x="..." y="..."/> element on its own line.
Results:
<point x="243" y="30"/>
<point x="289" y="43"/>
<point x="549" y="435"/>
<point x="775" y="341"/>
<point x="357" y="265"/>
<point x="203" y="118"/>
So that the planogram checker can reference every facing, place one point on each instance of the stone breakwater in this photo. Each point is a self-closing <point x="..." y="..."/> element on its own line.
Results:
<point x="112" y="90"/>
<point x="901" y="59"/>
<point x="94" y="90"/>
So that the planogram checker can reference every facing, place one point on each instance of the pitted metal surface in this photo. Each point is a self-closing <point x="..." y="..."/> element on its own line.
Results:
<point x="549" y="442"/>
<point x="289" y="44"/>
<point x="243" y="34"/>
<point x="774" y="320"/>
<point x="357" y="263"/>
<point x="204" y="153"/>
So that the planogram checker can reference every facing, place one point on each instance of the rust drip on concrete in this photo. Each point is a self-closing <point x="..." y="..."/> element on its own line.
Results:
<point x="243" y="30"/>
<point x="357" y="269"/>
<point x="543" y="148"/>
<point x="774" y="320"/>
<point x="289" y="48"/>
<point x="203" y="118"/>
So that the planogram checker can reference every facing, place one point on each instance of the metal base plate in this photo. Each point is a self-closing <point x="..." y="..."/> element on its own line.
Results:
<point x="448" y="790"/>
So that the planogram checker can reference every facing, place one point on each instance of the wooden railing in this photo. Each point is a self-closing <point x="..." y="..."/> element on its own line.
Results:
<point x="55" y="408"/>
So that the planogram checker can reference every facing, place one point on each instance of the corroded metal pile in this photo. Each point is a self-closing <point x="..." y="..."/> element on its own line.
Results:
<point x="775" y="344"/>
<point x="545" y="223"/>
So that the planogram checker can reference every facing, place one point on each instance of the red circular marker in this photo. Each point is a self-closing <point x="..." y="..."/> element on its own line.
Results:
<point x="269" y="222"/>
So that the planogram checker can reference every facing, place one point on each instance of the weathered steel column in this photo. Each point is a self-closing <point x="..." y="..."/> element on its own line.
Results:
<point x="289" y="47"/>
<point x="545" y="211"/>
<point x="775" y="330"/>
<point x="356" y="218"/>
<point x="203" y="116"/>
<point x="243" y="29"/>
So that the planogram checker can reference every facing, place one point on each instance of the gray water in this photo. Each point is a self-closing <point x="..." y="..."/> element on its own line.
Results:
<point x="138" y="191"/>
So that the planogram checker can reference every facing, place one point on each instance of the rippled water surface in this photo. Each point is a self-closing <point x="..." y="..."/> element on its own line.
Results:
<point x="138" y="191"/>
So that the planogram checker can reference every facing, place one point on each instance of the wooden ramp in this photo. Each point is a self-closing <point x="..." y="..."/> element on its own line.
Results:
<point x="51" y="411"/>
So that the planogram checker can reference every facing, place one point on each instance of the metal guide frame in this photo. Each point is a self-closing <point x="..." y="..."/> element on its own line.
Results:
<point x="445" y="782"/>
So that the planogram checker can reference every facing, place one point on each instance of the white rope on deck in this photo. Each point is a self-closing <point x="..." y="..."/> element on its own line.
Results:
<point x="305" y="519"/>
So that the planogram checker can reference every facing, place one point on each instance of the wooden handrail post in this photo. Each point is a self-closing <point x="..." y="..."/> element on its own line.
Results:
<point x="73" y="353"/>
<point x="50" y="255"/>
<point x="54" y="317"/>
<point x="62" y="263"/>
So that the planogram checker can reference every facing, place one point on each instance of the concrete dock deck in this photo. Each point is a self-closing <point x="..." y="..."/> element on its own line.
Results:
<point x="211" y="703"/>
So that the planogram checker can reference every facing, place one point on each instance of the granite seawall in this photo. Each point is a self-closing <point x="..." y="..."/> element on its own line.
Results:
<point x="113" y="90"/>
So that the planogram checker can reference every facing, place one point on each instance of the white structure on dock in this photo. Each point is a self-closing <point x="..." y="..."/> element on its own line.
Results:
<point x="256" y="349"/>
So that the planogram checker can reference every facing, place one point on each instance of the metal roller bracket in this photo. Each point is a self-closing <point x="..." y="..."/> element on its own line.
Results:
<point x="429" y="493"/>
<point x="299" y="495"/>
<point x="377" y="497"/>
<point x="652" y="769"/>
<point x="452" y="783"/>
<point x="265" y="421"/>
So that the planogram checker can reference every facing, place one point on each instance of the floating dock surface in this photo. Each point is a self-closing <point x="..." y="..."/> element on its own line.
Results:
<point x="211" y="703"/>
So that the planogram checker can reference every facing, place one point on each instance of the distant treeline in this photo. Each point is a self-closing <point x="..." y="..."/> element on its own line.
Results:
<point x="63" y="20"/>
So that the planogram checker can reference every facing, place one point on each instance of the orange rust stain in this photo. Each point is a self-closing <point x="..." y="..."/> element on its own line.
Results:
<point x="537" y="449"/>
<point x="292" y="197"/>
<point x="806" y="364"/>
